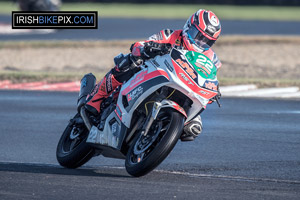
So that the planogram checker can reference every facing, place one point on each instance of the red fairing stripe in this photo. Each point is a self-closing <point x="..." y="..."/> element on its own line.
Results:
<point x="116" y="111"/>
<point x="181" y="110"/>
<point x="207" y="94"/>
<point x="143" y="77"/>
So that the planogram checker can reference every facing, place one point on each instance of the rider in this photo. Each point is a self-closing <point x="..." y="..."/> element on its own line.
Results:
<point x="199" y="33"/>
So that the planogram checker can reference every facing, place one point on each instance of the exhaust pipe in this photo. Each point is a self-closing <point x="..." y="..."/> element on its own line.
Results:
<point x="87" y="85"/>
<point x="85" y="118"/>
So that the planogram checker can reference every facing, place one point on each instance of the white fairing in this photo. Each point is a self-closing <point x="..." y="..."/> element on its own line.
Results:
<point x="164" y="65"/>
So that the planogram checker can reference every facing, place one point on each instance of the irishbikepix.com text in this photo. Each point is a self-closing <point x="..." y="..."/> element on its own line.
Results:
<point x="57" y="20"/>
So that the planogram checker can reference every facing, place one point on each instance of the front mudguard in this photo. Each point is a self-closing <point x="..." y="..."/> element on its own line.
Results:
<point x="157" y="106"/>
<point x="169" y="104"/>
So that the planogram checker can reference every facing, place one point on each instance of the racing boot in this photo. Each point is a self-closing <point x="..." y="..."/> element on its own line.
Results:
<point x="125" y="68"/>
<point x="192" y="129"/>
<point x="101" y="91"/>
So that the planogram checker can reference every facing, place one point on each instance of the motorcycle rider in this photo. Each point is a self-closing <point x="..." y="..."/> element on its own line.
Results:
<point x="199" y="33"/>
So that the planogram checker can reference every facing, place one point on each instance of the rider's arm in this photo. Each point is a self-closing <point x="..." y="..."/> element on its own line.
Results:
<point x="163" y="36"/>
<point x="138" y="54"/>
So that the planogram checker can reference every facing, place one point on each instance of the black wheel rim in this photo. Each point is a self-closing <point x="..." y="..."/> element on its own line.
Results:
<point x="144" y="145"/>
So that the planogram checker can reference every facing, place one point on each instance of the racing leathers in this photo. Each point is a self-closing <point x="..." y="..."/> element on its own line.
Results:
<point x="127" y="65"/>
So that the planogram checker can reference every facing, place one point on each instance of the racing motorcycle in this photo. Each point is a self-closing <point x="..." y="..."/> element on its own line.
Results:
<point x="143" y="119"/>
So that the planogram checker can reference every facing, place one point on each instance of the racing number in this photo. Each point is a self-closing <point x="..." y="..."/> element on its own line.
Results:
<point x="207" y="64"/>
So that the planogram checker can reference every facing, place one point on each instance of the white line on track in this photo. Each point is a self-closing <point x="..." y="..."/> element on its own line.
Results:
<point x="251" y="91"/>
<point x="237" y="88"/>
<point x="215" y="176"/>
<point x="236" y="178"/>
<point x="224" y="177"/>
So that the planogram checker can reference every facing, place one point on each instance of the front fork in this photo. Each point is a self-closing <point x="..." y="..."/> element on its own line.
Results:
<point x="155" y="110"/>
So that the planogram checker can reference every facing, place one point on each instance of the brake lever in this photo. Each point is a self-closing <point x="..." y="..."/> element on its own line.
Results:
<point x="218" y="102"/>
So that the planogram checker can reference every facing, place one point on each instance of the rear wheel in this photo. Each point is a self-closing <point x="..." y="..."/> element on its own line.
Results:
<point x="147" y="152"/>
<point x="72" y="150"/>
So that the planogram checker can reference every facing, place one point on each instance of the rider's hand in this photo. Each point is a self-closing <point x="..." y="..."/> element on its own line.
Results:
<point x="152" y="49"/>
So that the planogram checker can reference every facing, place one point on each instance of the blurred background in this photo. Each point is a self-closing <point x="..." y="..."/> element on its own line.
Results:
<point x="259" y="43"/>
<point x="249" y="149"/>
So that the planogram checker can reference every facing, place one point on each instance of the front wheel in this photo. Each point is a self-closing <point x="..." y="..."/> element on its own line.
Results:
<point x="147" y="152"/>
<point x="72" y="150"/>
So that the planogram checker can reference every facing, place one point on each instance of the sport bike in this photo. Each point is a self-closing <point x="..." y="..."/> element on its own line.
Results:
<point x="143" y="119"/>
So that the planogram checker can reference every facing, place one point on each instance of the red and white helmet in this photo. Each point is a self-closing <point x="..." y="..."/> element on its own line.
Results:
<point x="201" y="31"/>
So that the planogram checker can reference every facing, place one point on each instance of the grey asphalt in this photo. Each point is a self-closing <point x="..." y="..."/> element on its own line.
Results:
<point x="249" y="149"/>
<point x="131" y="28"/>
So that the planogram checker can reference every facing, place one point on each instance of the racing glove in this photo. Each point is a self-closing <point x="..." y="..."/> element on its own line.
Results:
<point x="152" y="49"/>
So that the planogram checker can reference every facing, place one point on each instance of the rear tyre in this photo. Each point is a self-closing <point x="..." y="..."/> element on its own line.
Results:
<point x="72" y="150"/>
<point x="147" y="152"/>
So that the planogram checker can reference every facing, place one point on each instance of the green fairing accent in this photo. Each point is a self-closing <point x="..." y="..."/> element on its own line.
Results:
<point x="203" y="65"/>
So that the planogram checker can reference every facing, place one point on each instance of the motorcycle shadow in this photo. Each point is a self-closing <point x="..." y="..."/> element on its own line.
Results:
<point x="58" y="170"/>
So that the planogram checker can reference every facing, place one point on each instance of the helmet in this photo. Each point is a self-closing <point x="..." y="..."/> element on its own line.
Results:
<point x="201" y="31"/>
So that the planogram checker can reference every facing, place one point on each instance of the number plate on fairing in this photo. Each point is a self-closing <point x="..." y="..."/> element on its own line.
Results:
<point x="99" y="137"/>
<point x="203" y="65"/>
<point x="112" y="135"/>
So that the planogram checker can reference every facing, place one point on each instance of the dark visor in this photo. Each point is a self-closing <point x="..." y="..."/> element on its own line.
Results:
<point x="197" y="37"/>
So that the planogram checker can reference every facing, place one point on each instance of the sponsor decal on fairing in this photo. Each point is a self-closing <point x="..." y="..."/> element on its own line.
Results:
<point x="213" y="85"/>
<point x="186" y="79"/>
<point x="135" y="93"/>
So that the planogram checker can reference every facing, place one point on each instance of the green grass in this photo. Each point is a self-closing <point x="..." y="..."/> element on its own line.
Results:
<point x="176" y="10"/>
<point x="224" y="40"/>
<point x="7" y="7"/>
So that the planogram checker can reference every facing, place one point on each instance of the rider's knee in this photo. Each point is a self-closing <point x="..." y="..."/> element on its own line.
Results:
<point x="125" y="67"/>
<point x="192" y="129"/>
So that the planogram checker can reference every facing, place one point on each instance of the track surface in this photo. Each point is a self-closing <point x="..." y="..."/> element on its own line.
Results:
<point x="117" y="28"/>
<point x="249" y="149"/>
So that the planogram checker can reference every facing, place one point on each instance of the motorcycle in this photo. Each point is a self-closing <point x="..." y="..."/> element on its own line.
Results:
<point x="143" y="119"/>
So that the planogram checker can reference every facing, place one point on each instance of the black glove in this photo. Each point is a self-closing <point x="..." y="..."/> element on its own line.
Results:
<point x="152" y="49"/>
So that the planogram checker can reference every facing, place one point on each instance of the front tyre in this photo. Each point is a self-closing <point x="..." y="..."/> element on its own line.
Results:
<point x="147" y="152"/>
<point x="72" y="150"/>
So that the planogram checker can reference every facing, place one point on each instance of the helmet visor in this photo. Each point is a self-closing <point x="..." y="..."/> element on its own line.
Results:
<point x="198" y="38"/>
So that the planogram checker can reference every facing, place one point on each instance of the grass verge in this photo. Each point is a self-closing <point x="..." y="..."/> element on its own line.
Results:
<point x="49" y="77"/>
<point x="172" y="11"/>
<point x="44" y="71"/>
<point x="224" y="40"/>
